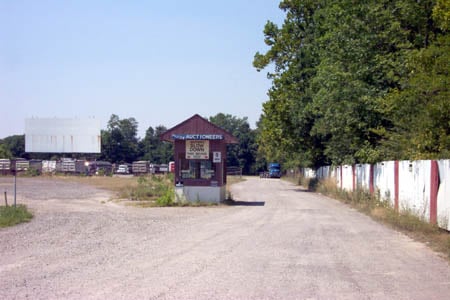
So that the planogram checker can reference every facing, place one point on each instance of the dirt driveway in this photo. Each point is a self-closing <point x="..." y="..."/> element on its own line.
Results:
<point x="279" y="242"/>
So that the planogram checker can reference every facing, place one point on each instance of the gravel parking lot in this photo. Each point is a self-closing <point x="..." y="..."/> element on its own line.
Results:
<point x="277" y="242"/>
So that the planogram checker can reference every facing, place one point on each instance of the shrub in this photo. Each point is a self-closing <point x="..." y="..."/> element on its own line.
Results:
<point x="12" y="215"/>
<point x="167" y="198"/>
<point x="152" y="187"/>
<point x="32" y="172"/>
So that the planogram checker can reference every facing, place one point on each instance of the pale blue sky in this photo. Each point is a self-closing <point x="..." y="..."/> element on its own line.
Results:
<point x="157" y="61"/>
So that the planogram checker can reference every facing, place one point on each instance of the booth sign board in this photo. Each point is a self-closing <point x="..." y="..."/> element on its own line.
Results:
<point x="217" y="157"/>
<point x="197" y="149"/>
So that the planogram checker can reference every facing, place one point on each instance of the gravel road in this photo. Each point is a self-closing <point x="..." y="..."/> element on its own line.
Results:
<point x="278" y="242"/>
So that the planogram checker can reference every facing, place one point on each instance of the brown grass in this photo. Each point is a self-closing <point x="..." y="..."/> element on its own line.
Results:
<point x="404" y="221"/>
<point x="114" y="184"/>
<point x="144" y="191"/>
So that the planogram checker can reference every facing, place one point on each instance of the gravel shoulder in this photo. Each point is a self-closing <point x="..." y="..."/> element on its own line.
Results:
<point x="278" y="242"/>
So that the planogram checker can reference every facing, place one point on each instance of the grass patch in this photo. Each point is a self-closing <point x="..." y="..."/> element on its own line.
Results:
<point x="151" y="187"/>
<point x="404" y="220"/>
<point x="152" y="190"/>
<point x="12" y="215"/>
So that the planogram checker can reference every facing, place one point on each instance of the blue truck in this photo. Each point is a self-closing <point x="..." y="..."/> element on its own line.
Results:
<point x="274" y="170"/>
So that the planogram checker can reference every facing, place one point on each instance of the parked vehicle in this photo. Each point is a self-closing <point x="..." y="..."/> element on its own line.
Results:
<point x="140" y="167"/>
<point x="123" y="169"/>
<point x="5" y="166"/>
<point x="22" y="165"/>
<point x="99" y="167"/>
<point x="274" y="170"/>
<point x="49" y="166"/>
<point x="163" y="168"/>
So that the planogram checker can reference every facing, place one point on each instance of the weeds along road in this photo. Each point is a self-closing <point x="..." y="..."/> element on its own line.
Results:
<point x="278" y="242"/>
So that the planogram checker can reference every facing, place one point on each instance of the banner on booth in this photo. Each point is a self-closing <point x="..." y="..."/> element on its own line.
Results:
<point x="197" y="149"/>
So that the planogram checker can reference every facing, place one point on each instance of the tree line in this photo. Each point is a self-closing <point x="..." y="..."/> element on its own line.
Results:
<point x="120" y="144"/>
<point x="356" y="82"/>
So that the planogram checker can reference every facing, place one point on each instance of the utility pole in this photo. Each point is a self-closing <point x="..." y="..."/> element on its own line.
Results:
<point x="13" y="168"/>
<point x="15" y="186"/>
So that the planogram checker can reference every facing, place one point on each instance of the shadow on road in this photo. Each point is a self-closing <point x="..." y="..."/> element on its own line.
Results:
<point x="243" y="203"/>
<point x="301" y="190"/>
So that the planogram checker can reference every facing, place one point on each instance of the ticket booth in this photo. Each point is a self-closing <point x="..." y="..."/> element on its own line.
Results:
<point x="200" y="159"/>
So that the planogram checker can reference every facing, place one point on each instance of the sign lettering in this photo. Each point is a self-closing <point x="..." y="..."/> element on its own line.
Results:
<point x="217" y="157"/>
<point x="197" y="149"/>
<point x="197" y="137"/>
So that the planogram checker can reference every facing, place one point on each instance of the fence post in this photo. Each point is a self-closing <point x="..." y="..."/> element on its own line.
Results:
<point x="6" y="199"/>
<point x="353" y="177"/>
<point x="434" y="188"/>
<point x="371" y="188"/>
<point x="396" y="187"/>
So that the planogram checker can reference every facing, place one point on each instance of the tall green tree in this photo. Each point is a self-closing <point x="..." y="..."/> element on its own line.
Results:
<point x="15" y="145"/>
<point x="361" y="52"/>
<point x="420" y="108"/>
<point x="4" y="152"/>
<point x="242" y="154"/>
<point x="337" y="67"/>
<point x="153" y="149"/>
<point x="287" y="117"/>
<point x="119" y="140"/>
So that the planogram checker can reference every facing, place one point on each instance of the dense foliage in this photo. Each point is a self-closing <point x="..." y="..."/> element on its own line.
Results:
<point x="13" y="146"/>
<point x="244" y="153"/>
<point x="120" y="143"/>
<point x="151" y="148"/>
<point x="356" y="81"/>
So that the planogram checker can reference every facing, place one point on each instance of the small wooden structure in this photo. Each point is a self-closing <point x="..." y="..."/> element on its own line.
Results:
<point x="200" y="159"/>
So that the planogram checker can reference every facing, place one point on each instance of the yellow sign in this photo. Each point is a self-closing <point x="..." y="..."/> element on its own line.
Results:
<point x="197" y="149"/>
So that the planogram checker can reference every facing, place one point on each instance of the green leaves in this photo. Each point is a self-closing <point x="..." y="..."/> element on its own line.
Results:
<point x="441" y="14"/>
<point x="4" y="152"/>
<point x="343" y="91"/>
<point x="119" y="141"/>
<point x="153" y="149"/>
<point x="244" y="153"/>
<point x="421" y="110"/>
<point x="13" y="147"/>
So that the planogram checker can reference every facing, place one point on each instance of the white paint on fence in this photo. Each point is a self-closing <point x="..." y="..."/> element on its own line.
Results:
<point x="324" y="172"/>
<point x="443" y="198"/>
<point x="347" y="177"/>
<point x="384" y="181"/>
<point x="414" y="185"/>
<point x="363" y="176"/>
<point x="309" y="173"/>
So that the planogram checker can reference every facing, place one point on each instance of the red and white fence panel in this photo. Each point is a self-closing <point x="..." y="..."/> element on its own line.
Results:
<point x="421" y="187"/>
